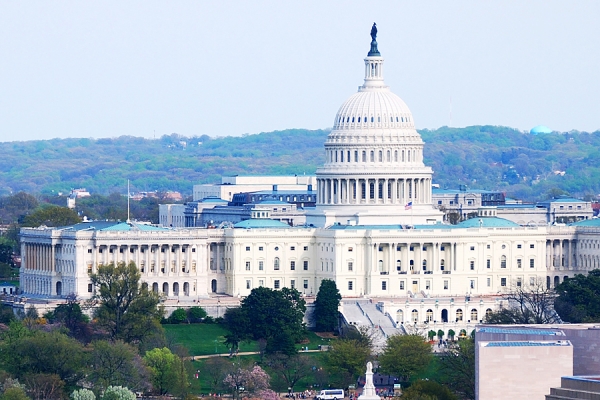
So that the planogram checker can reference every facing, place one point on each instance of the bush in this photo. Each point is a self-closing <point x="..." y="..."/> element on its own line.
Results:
<point x="178" y="316"/>
<point x="196" y="314"/>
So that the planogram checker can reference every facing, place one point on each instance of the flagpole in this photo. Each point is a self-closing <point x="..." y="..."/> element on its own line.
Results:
<point x="128" y="220"/>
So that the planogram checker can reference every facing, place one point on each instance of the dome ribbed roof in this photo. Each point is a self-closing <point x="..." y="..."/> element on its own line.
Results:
<point x="379" y="108"/>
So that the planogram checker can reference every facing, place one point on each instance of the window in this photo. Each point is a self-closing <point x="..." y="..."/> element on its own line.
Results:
<point x="305" y="248"/>
<point x="248" y="284"/>
<point x="401" y="285"/>
<point x="445" y="285"/>
<point x="532" y="246"/>
<point x="488" y="263"/>
<point x="247" y="265"/>
<point x="293" y="284"/>
<point x="474" y="314"/>
<point x="292" y="248"/>
<point x="350" y="266"/>
<point x="384" y="285"/>
<point x="488" y="246"/>
<point x="531" y="263"/>
<point x="472" y="284"/>
<point x="306" y="284"/>
<point x="276" y="264"/>
<point x="261" y="265"/>
<point x="519" y="282"/>
<point x="89" y="251"/>
<point x="292" y="265"/>
<point x="532" y="281"/>
<point x="260" y="248"/>
<point x="472" y="248"/>
<point x="502" y="281"/>
<point x="276" y="284"/>
<point x="414" y="315"/>
<point x="193" y="250"/>
<point x="472" y="265"/>
<point x="247" y="248"/>
<point x="350" y="249"/>
<point x="427" y="285"/>
<point x="503" y="262"/>
<point x="305" y="265"/>
<point x="489" y="282"/>
<point x="459" y="315"/>
<point x="518" y="263"/>
<point x="398" y="265"/>
<point x="519" y="246"/>
<point x="276" y="248"/>
<point x="429" y="315"/>
<point x="350" y="285"/>
<point x="261" y="283"/>
<point x="90" y="287"/>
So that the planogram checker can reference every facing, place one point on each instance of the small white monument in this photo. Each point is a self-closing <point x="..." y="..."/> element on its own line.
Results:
<point x="368" y="392"/>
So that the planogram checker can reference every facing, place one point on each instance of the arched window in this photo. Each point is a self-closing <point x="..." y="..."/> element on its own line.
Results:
<point x="503" y="262"/>
<point x="474" y="316"/>
<point x="424" y="265"/>
<point x="414" y="316"/>
<point x="389" y="156"/>
<point x="399" y="316"/>
<point x="459" y="315"/>
<point x="372" y="119"/>
<point x="356" y="156"/>
<point x="429" y="315"/>
<point x="398" y="265"/>
<point x="488" y="312"/>
<point x="358" y="119"/>
<point x="276" y="264"/>
<point x="166" y="289"/>
<point x="380" y="265"/>
<point x="409" y="156"/>
<point x="380" y="156"/>
<point x="155" y="287"/>
<point x="395" y="155"/>
<point x="176" y="289"/>
<point x="364" y="156"/>
<point x="402" y="155"/>
<point x="372" y="156"/>
<point x="442" y="264"/>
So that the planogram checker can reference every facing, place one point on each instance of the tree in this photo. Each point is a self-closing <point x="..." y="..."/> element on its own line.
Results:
<point x="125" y="307"/>
<point x="290" y="368"/>
<point x="216" y="368"/>
<point x="428" y="390"/>
<point x="196" y="314"/>
<point x="51" y="215"/>
<point x="405" y="355"/>
<point x="579" y="298"/>
<point x="431" y="334"/>
<point x="457" y="368"/>
<point x="178" y="316"/>
<point x="118" y="393"/>
<point x="326" y="306"/>
<point x="14" y="393"/>
<point x="532" y="304"/>
<point x="451" y="334"/>
<point x="72" y="317"/>
<point x="166" y="370"/>
<point x="347" y="357"/>
<point x="250" y="382"/>
<point x="83" y="394"/>
<point x="117" y="364"/>
<point x="44" y="386"/>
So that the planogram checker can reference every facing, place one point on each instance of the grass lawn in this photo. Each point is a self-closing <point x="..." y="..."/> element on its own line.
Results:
<point x="203" y="339"/>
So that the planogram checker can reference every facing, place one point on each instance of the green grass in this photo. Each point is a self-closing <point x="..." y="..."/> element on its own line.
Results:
<point x="203" y="339"/>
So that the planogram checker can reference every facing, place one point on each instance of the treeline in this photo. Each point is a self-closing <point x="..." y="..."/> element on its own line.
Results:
<point x="525" y="166"/>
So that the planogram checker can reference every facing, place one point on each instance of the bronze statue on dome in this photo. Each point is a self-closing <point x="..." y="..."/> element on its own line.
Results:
<point x="374" y="31"/>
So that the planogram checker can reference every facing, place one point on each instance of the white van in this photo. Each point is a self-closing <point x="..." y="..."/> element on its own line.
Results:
<point x="331" y="394"/>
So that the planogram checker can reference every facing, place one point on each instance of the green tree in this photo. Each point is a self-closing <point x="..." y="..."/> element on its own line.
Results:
<point x="347" y="358"/>
<point x="405" y="356"/>
<point x="117" y="364"/>
<point x="72" y="317"/>
<point x="178" y="316"/>
<point x="579" y="298"/>
<point x="216" y="369"/>
<point x="196" y="314"/>
<point x="51" y="215"/>
<point x="457" y="368"/>
<point x="14" y="393"/>
<point x="125" y="307"/>
<point x="425" y="390"/>
<point x="166" y="370"/>
<point x="118" y="393"/>
<point x="83" y="394"/>
<point x="290" y="369"/>
<point x="326" y="306"/>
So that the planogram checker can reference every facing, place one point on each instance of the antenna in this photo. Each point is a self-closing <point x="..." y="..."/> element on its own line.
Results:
<point x="128" y="196"/>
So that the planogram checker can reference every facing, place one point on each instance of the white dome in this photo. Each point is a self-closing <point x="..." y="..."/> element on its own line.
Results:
<point x="373" y="108"/>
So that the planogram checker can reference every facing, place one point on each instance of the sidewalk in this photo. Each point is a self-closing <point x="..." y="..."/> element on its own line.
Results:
<point x="242" y="353"/>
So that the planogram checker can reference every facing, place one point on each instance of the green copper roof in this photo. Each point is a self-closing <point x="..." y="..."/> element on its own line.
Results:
<point x="594" y="222"/>
<point x="487" y="222"/>
<point x="256" y="223"/>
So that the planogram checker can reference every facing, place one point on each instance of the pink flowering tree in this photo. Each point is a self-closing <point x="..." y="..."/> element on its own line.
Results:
<point x="247" y="382"/>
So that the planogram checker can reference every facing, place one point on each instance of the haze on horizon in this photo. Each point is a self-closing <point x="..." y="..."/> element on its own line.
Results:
<point x="111" y="68"/>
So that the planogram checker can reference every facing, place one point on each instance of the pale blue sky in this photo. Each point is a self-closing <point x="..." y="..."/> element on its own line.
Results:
<point x="111" y="68"/>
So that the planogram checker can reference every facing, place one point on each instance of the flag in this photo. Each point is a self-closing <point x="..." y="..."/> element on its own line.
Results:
<point x="408" y="206"/>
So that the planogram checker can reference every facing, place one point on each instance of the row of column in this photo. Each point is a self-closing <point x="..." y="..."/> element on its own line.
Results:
<point x="39" y="257"/>
<point x="368" y="191"/>
<point x="433" y="254"/>
<point x="559" y="254"/>
<point x="379" y="156"/>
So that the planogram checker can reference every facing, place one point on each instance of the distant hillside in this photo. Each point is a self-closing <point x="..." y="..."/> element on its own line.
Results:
<point x="525" y="166"/>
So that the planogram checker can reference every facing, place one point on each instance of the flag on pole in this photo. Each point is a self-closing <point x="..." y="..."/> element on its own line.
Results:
<point x="408" y="206"/>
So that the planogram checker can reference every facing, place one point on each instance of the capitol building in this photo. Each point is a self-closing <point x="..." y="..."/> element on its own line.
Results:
<point x="374" y="229"/>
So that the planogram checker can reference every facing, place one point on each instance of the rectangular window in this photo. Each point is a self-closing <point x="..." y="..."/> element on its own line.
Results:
<point x="427" y="285"/>
<point x="305" y="248"/>
<point x="384" y="285"/>
<point x="293" y="284"/>
<point x="248" y="284"/>
<point x="502" y="281"/>
<point x="350" y="266"/>
<point x="350" y="249"/>
<point x="261" y="283"/>
<point x="519" y="246"/>
<point x="305" y="265"/>
<point x="90" y="287"/>
<point x="260" y="248"/>
<point x="292" y="248"/>
<point x="532" y="246"/>
<point x="89" y="251"/>
<point x="247" y="265"/>
<point x="401" y="285"/>
<point x="261" y="265"/>
<point x="445" y="285"/>
<point x="247" y="248"/>
<point x="276" y="284"/>
<point x="489" y="282"/>
<point x="472" y="248"/>
<point x="442" y="248"/>
<point x="350" y="285"/>
<point x="472" y="265"/>
<point x="488" y="246"/>
<point x="519" y="282"/>
<point x="193" y="250"/>
<point x="488" y="263"/>
<point x="472" y="284"/>
<point x="531" y="263"/>
<point x="306" y="284"/>
<point x="293" y="265"/>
